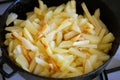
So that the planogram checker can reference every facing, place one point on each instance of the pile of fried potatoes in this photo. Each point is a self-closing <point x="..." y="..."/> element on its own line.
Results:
<point x="57" y="42"/>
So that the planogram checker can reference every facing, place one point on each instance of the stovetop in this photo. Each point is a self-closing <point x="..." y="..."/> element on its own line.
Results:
<point x="112" y="70"/>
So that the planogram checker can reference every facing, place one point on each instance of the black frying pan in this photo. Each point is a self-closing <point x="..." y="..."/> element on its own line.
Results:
<point x="22" y="6"/>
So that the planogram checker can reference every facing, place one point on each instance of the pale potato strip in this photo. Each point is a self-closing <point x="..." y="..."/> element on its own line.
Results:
<point x="76" y="52"/>
<point x="11" y="17"/>
<point x="97" y="13"/>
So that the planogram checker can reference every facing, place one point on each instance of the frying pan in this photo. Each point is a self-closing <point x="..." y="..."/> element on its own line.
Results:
<point x="22" y="6"/>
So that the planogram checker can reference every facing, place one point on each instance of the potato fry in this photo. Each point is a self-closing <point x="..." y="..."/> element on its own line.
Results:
<point x="93" y="39"/>
<point x="97" y="13"/>
<point x="27" y="34"/>
<point x="38" y="69"/>
<point x="11" y="17"/>
<point x="25" y="53"/>
<point x="32" y="65"/>
<point x="78" y="43"/>
<point x="21" y="60"/>
<point x="88" y="66"/>
<point x="59" y="37"/>
<point x="76" y="52"/>
<point x="29" y="26"/>
<point x="17" y="22"/>
<point x="108" y="38"/>
<point x="57" y="42"/>
<point x="59" y="9"/>
<point x="60" y="50"/>
<point x="70" y="35"/>
<point x="65" y="44"/>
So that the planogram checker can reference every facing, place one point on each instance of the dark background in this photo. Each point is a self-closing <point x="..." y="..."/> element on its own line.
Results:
<point x="114" y="5"/>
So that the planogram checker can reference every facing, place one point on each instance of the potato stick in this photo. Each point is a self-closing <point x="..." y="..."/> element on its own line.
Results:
<point x="92" y="38"/>
<point x="37" y="11"/>
<point x="70" y="35"/>
<point x="70" y="7"/>
<point x="21" y="60"/>
<point x="75" y="27"/>
<point x="25" y="42"/>
<point x="13" y="29"/>
<point x="64" y="24"/>
<point x="91" y="19"/>
<point x="105" y="47"/>
<point x="52" y="44"/>
<point x="76" y="38"/>
<point x="59" y="37"/>
<point x="98" y="27"/>
<point x="104" y="57"/>
<point x="11" y="17"/>
<point x="41" y="61"/>
<point x="29" y="26"/>
<point x="40" y="32"/>
<point x="67" y="62"/>
<point x="60" y="50"/>
<point x="40" y="46"/>
<point x="73" y="6"/>
<point x="48" y="16"/>
<point x="45" y="72"/>
<point x="76" y="52"/>
<point x="55" y="66"/>
<point x="73" y="69"/>
<point x="32" y="65"/>
<point x="65" y="44"/>
<point x="17" y="22"/>
<point x="38" y="69"/>
<point x="87" y="13"/>
<point x="78" y="43"/>
<point x="42" y="6"/>
<point x="102" y="33"/>
<point x="103" y="25"/>
<point x="93" y="59"/>
<point x="27" y="34"/>
<point x="88" y="46"/>
<point x="10" y="48"/>
<point x="59" y="9"/>
<point x="36" y="25"/>
<point x="88" y="66"/>
<point x="25" y="53"/>
<point x="51" y="36"/>
<point x="49" y="51"/>
<point x="97" y="13"/>
<point x="63" y="74"/>
<point x="108" y="38"/>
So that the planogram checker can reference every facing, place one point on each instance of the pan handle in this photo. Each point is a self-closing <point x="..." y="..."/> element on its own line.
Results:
<point x="3" y="61"/>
